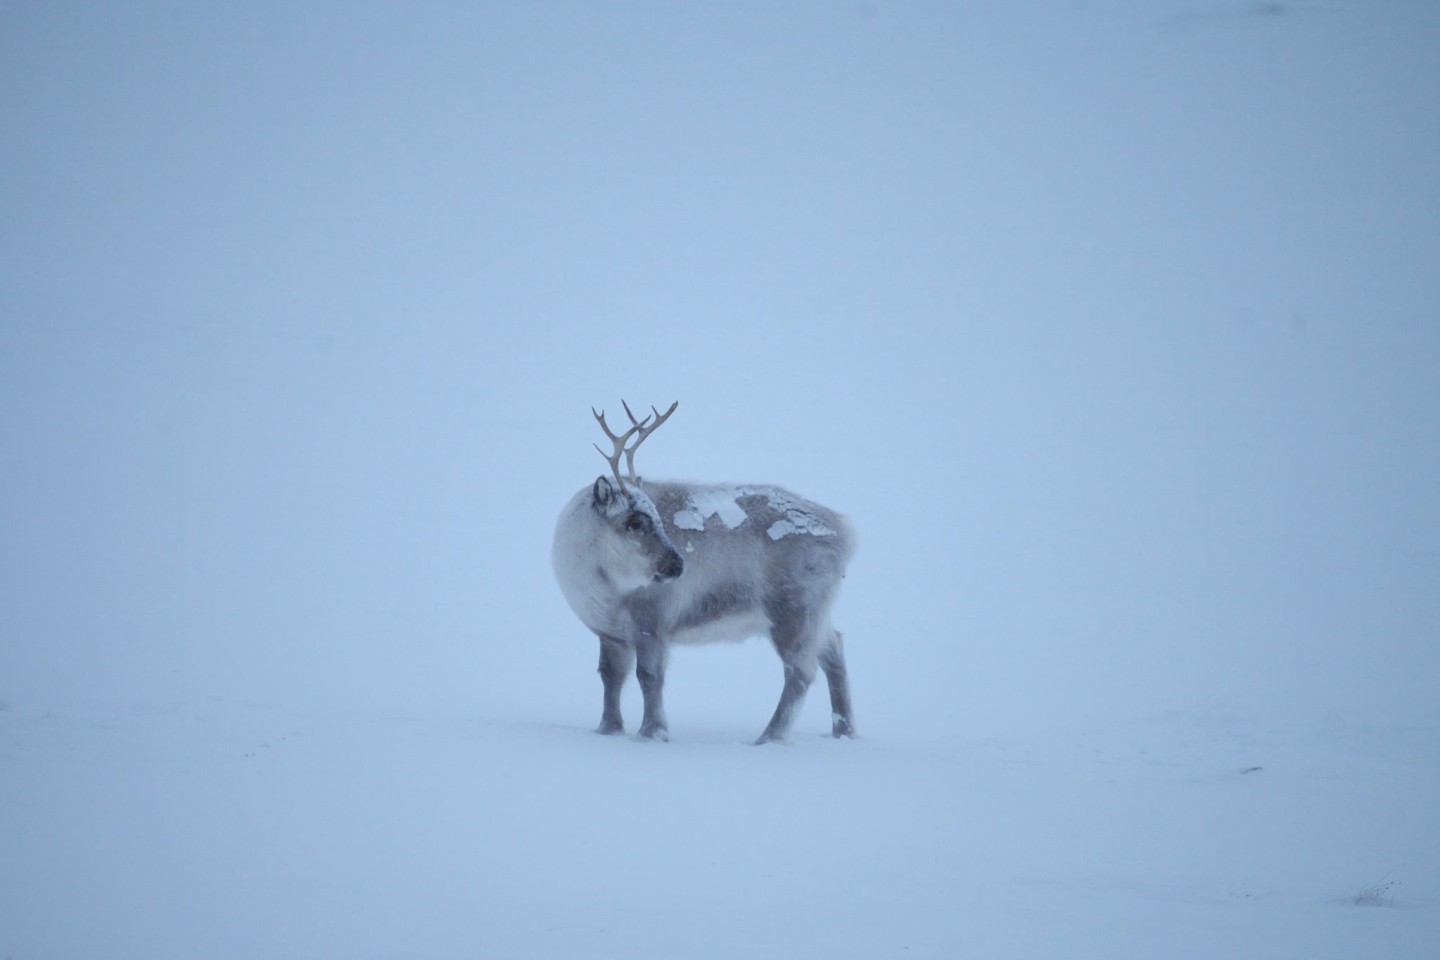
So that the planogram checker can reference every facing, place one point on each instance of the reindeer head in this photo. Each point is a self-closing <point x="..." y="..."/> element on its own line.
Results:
<point x="636" y="549"/>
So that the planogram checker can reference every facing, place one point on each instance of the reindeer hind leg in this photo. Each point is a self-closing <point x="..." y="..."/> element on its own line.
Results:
<point x="832" y="661"/>
<point x="794" y="641"/>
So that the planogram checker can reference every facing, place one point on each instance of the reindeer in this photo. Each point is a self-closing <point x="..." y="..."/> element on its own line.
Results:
<point x="645" y="565"/>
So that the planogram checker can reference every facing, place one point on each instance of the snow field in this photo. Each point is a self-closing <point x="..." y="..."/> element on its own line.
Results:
<point x="234" y="830"/>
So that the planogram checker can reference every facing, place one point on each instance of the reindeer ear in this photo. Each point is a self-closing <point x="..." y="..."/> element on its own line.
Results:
<point x="602" y="494"/>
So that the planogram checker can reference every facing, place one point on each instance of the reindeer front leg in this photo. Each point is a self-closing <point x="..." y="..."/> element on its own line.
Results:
<point x="650" y="657"/>
<point x="616" y="659"/>
<point x="650" y="664"/>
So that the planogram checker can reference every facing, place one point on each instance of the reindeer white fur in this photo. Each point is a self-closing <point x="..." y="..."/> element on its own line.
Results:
<point x="647" y="564"/>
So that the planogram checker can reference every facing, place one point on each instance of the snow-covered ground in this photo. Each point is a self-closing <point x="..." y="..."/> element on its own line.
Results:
<point x="223" y="830"/>
<point x="1114" y="328"/>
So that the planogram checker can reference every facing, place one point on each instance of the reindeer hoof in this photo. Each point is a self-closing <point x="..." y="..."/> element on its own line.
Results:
<point x="842" y="728"/>
<point x="653" y="732"/>
<point x="610" y="728"/>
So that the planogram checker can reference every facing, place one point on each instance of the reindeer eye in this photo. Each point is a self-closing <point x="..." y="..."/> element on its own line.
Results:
<point x="637" y="523"/>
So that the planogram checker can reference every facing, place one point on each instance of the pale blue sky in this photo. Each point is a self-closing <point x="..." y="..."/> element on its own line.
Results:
<point x="1112" y="327"/>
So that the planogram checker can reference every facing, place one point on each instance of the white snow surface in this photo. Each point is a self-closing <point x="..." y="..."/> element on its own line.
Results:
<point x="232" y="830"/>
<point x="1112" y="328"/>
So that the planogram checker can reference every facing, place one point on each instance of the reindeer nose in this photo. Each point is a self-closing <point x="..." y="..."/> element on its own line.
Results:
<point x="671" y="567"/>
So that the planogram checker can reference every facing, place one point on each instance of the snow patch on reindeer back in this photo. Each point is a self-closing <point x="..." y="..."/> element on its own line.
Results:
<point x="796" y="520"/>
<point x="701" y="505"/>
<point x="723" y="502"/>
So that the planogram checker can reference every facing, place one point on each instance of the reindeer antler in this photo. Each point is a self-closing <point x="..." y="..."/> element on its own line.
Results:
<point x="644" y="432"/>
<point x="642" y="427"/>
<point x="619" y="441"/>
